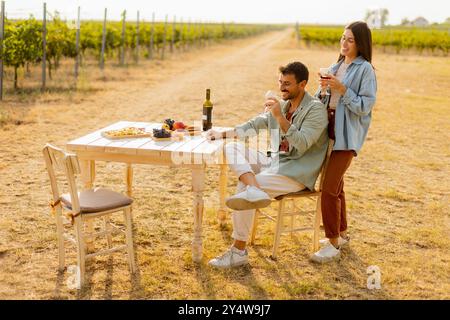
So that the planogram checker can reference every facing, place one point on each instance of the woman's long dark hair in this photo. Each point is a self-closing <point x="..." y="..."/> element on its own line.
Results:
<point x="363" y="40"/>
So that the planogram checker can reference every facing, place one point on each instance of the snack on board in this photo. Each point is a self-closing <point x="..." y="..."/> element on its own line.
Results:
<point x="179" y="125"/>
<point x="166" y="127"/>
<point x="169" y="122"/>
<point x="175" y="130"/>
<point x="193" y="130"/>
<point x="178" y="135"/>
<point x="161" y="133"/>
<point x="128" y="132"/>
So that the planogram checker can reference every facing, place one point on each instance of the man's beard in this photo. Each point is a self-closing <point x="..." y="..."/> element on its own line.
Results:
<point x="290" y="95"/>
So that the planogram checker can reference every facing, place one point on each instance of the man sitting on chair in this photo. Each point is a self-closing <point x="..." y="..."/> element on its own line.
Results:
<point x="297" y="128"/>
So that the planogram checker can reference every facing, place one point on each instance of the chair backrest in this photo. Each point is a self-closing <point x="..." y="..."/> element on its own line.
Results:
<point x="56" y="160"/>
<point x="324" y="167"/>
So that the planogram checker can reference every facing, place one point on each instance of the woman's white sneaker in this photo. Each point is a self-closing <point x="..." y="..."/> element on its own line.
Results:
<point x="233" y="257"/>
<point x="342" y="242"/>
<point x="326" y="254"/>
<point x="251" y="198"/>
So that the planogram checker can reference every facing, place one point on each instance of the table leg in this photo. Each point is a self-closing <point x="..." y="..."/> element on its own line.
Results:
<point x="88" y="178"/>
<point x="222" y="213"/>
<point x="198" y="181"/>
<point x="129" y="174"/>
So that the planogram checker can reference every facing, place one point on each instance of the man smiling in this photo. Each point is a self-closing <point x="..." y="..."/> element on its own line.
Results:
<point x="298" y="138"/>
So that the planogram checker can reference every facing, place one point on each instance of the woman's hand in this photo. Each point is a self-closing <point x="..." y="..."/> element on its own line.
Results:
<point x="322" y="82"/>
<point x="334" y="84"/>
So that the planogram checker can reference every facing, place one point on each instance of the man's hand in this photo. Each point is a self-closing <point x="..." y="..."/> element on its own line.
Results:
<point x="273" y="105"/>
<point x="212" y="134"/>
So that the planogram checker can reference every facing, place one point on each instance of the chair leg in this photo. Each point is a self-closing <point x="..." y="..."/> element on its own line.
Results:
<point x="90" y="246"/>
<point x="108" y="229"/>
<point x="81" y="254"/>
<point x="254" y="226"/>
<point x="60" y="237"/>
<point x="317" y="221"/>
<point x="292" y="217"/>
<point x="129" y="239"/>
<point x="278" y="228"/>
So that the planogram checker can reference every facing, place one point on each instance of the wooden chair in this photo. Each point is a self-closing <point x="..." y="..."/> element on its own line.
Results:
<point x="81" y="207"/>
<point x="282" y="201"/>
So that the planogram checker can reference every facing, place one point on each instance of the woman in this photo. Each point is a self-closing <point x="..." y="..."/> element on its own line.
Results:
<point x="353" y="86"/>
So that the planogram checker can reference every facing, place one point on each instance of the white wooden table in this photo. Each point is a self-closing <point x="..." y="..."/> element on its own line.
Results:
<point x="193" y="152"/>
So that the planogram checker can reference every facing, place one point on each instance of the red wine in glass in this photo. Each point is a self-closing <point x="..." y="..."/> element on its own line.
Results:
<point x="325" y="75"/>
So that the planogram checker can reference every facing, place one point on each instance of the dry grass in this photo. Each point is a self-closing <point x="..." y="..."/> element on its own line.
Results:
<point x="397" y="188"/>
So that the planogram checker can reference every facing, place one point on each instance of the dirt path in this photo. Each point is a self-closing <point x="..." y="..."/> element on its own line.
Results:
<point x="238" y="74"/>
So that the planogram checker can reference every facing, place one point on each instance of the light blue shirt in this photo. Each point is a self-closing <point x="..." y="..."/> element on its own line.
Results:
<point x="307" y="137"/>
<point x="354" y="109"/>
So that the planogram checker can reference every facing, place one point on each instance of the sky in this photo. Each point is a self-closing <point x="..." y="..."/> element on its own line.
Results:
<point x="246" y="11"/>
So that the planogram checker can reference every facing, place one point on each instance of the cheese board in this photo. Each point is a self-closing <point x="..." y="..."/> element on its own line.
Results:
<point x="126" y="133"/>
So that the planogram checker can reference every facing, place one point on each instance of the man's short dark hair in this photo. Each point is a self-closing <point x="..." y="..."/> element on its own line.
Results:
<point x="298" y="69"/>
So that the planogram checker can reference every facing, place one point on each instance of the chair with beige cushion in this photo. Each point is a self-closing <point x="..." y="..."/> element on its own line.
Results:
<point x="82" y="207"/>
<point x="283" y="212"/>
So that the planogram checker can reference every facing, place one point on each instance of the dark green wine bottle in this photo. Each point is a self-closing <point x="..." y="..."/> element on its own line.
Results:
<point x="207" y="111"/>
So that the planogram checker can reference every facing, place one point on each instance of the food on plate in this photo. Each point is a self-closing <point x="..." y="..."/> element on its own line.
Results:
<point x="193" y="130"/>
<point x="161" y="133"/>
<point x="178" y="135"/>
<point x="172" y="126"/>
<point x="128" y="131"/>
<point x="178" y="125"/>
<point x="169" y="122"/>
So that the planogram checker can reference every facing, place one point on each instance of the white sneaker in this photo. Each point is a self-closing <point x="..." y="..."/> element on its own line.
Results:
<point x="342" y="242"/>
<point x="251" y="198"/>
<point x="326" y="254"/>
<point x="231" y="258"/>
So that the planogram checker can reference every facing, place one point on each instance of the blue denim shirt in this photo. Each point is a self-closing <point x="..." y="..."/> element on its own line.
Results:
<point x="354" y="109"/>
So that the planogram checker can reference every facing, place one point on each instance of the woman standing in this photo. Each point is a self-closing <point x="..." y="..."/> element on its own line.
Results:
<point x="353" y="86"/>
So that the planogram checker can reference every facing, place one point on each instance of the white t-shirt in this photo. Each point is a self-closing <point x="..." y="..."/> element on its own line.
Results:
<point x="335" y="95"/>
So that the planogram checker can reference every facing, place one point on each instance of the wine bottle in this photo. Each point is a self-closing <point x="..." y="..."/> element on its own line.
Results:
<point x="207" y="111"/>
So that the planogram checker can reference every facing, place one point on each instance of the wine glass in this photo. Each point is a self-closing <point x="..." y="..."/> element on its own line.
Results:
<point x="271" y="95"/>
<point x="325" y="74"/>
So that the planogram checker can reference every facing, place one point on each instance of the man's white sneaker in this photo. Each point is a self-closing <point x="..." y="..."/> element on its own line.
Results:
<point x="231" y="258"/>
<point x="342" y="242"/>
<point x="326" y="254"/>
<point x="251" y="198"/>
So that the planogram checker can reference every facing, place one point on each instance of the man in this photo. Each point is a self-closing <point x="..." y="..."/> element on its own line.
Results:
<point x="297" y="127"/>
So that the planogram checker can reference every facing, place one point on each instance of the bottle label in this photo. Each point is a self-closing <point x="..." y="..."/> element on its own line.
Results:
<point x="207" y="118"/>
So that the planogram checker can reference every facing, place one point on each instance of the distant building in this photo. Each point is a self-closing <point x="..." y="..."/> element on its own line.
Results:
<point x="417" y="22"/>
<point x="420" y="22"/>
